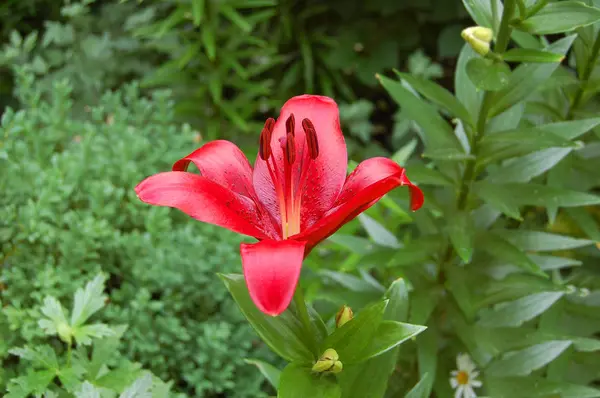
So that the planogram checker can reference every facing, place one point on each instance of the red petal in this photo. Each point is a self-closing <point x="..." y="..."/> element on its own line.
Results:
<point x="326" y="174"/>
<point x="203" y="200"/>
<point x="224" y="163"/>
<point x="372" y="179"/>
<point x="272" y="269"/>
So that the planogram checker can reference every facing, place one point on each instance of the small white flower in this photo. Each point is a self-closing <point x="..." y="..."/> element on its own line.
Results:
<point x="464" y="380"/>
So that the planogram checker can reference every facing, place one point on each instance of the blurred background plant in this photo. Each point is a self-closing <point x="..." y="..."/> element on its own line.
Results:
<point x="97" y="94"/>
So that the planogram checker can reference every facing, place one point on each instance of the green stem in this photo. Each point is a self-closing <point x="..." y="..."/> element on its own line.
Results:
<point x="585" y="78"/>
<point x="469" y="175"/>
<point x="69" y="352"/>
<point x="305" y="319"/>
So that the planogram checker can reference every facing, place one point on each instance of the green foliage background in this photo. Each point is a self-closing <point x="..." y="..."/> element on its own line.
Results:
<point x="502" y="261"/>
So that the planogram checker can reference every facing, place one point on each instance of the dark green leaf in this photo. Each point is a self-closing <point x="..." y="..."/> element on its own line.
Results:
<point x="283" y="334"/>
<point x="559" y="17"/>
<point x="487" y="74"/>
<point x="515" y="313"/>
<point x="352" y="339"/>
<point x="270" y="372"/>
<point x="530" y="55"/>
<point x="299" y="382"/>
<point x="438" y="95"/>
<point x="235" y="17"/>
<point x="436" y="131"/>
<point x="523" y="362"/>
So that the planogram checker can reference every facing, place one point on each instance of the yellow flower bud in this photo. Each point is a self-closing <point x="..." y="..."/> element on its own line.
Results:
<point x="329" y="362"/>
<point x="479" y="38"/>
<point x="344" y="315"/>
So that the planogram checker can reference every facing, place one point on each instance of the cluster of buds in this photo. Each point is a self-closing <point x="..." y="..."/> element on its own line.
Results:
<point x="479" y="38"/>
<point x="328" y="363"/>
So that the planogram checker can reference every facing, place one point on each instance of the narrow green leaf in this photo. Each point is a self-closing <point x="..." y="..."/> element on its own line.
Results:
<point x="235" y="17"/>
<point x="523" y="362"/>
<point x="208" y="41"/>
<point x="197" y="11"/>
<point x="499" y="248"/>
<point x="460" y="231"/>
<point x="570" y="129"/>
<point x="559" y="17"/>
<point x="437" y="133"/>
<point x="487" y="74"/>
<point x="299" y="382"/>
<point x="283" y="334"/>
<point x="389" y="335"/>
<point x="515" y="313"/>
<point x="519" y="142"/>
<point x="447" y="154"/>
<point x="270" y="372"/>
<point x="438" y="95"/>
<point x="531" y="55"/>
<point x="519" y="387"/>
<point x="421" y="174"/>
<point x="538" y="241"/>
<point x="523" y="169"/>
<point x="378" y="233"/>
<point x="512" y="195"/>
<point x="526" y="78"/>
<point x="351" y="339"/>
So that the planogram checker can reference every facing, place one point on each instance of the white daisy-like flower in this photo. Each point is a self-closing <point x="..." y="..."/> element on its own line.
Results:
<point x="464" y="379"/>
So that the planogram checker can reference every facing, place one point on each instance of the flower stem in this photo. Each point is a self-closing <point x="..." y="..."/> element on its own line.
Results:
<point x="585" y="77"/>
<point x="305" y="319"/>
<point x="469" y="175"/>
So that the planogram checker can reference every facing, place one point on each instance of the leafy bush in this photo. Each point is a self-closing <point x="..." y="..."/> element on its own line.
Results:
<point x="90" y="370"/>
<point x="68" y="211"/>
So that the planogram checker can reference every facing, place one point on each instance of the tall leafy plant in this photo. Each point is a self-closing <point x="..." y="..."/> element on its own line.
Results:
<point x="497" y="272"/>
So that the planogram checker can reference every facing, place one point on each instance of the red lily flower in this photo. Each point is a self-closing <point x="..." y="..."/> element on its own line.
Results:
<point x="296" y="195"/>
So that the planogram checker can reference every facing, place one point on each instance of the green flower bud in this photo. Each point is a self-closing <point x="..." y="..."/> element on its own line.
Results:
<point x="479" y="38"/>
<point x="337" y="367"/>
<point x="328" y="363"/>
<point x="64" y="332"/>
<point x="344" y="315"/>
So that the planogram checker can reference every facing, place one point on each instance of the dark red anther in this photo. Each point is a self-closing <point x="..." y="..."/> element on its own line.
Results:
<point x="311" y="138"/>
<point x="290" y="125"/>
<point x="290" y="149"/>
<point x="264" y="149"/>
